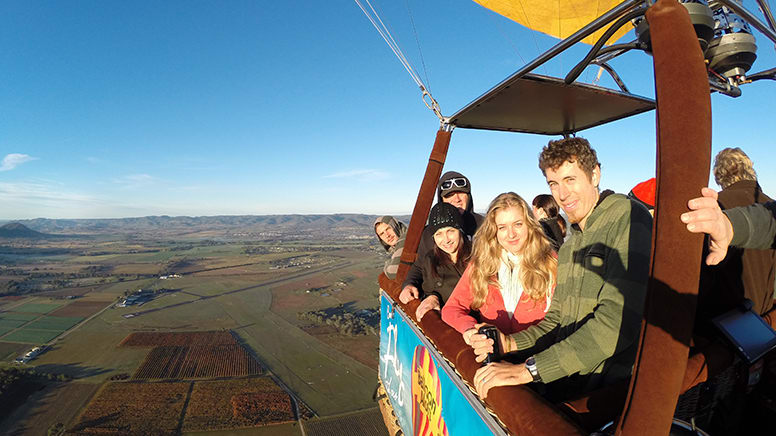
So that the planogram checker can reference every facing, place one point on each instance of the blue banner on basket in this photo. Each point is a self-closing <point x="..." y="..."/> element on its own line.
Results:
<point x="424" y="398"/>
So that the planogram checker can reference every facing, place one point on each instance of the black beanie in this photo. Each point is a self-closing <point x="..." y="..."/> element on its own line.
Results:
<point x="444" y="215"/>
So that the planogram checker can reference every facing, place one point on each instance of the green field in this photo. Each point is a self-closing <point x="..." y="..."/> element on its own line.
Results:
<point x="32" y="336"/>
<point x="37" y="307"/>
<point x="59" y="323"/>
<point x="10" y="323"/>
<point x="18" y="316"/>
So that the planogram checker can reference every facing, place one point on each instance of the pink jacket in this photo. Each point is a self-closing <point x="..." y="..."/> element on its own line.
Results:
<point x="456" y="310"/>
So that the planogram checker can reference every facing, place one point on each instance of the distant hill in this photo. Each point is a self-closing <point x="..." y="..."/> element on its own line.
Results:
<point x="223" y="224"/>
<point x="18" y="230"/>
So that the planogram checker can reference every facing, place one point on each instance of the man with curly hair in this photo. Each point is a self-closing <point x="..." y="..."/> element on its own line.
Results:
<point x="589" y="336"/>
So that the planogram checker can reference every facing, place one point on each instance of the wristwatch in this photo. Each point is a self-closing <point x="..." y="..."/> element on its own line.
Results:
<point x="530" y="365"/>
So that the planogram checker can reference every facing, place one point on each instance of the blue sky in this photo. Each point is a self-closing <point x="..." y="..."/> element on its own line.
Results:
<point x="115" y="109"/>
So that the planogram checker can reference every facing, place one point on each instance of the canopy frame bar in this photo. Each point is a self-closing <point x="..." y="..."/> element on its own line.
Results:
<point x="608" y="17"/>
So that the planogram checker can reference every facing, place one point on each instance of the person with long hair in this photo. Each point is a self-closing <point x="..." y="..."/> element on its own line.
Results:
<point x="442" y="266"/>
<point x="589" y="337"/>
<point x="546" y="210"/>
<point x="511" y="276"/>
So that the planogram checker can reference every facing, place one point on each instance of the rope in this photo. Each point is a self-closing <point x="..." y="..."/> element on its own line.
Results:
<point x="505" y="36"/>
<point x="533" y="35"/>
<point x="417" y="41"/>
<point x="382" y="29"/>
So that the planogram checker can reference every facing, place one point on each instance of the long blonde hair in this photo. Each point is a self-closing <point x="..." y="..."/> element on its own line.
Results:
<point x="538" y="264"/>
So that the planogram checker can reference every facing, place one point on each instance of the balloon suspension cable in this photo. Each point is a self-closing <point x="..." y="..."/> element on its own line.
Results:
<point x="382" y="29"/>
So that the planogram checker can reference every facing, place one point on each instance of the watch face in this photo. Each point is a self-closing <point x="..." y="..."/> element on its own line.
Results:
<point x="530" y="365"/>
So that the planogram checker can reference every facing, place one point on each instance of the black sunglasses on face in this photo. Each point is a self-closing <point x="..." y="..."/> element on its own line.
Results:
<point x="458" y="182"/>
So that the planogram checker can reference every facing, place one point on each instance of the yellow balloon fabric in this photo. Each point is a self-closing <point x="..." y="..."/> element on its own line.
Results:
<point x="555" y="17"/>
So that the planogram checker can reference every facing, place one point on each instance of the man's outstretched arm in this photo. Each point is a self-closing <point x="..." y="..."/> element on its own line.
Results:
<point x="746" y="227"/>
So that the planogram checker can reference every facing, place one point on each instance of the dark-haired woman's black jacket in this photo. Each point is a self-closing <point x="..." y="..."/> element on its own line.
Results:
<point x="441" y="284"/>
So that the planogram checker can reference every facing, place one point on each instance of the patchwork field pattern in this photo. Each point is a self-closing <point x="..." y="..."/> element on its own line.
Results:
<point x="123" y="408"/>
<point x="41" y="330"/>
<point x="246" y="402"/>
<point x="174" y="361"/>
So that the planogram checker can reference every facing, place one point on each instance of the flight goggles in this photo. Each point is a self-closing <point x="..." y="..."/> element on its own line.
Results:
<point x="458" y="182"/>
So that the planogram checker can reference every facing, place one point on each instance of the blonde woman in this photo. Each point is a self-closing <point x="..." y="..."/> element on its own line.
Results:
<point x="511" y="275"/>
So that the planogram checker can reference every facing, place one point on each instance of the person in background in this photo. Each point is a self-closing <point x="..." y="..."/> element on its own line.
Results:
<point x="511" y="276"/>
<point x="455" y="189"/>
<point x="391" y="233"/>
<point x="589" y="336"/>
<point x="644" y="194"/>
<point x="545" y="208"/>
<point x="744" y="273"/>
<point x="441" y="267"/>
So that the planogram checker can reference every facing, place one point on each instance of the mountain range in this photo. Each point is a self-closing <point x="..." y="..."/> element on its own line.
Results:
<point x="233" y="223"/>
<point x="17" y="230"/>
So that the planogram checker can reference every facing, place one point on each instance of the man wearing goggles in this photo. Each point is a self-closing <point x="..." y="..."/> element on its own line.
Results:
<point x="453" y="188"/>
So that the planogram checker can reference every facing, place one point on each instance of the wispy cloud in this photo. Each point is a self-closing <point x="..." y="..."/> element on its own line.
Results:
<point x="13" y="160"/>
<point x="39" y="192"/>
<point x="32" y="199"/>
<point x="134" y="181"/>
<point x="363" y="175"/>
<point x="94" y="160"/>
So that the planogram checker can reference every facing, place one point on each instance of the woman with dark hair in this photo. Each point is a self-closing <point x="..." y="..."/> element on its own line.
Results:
<point x="511" y="277"/>
<point x="441" y="267"/>
<point x="546" y="210"/>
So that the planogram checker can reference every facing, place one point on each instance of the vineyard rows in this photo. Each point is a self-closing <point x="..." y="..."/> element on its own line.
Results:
<point x="197" y="361"/>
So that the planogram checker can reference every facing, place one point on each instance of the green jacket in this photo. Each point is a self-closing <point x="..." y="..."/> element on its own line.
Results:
<point x="753" y="226"/>
<point x="593" y="324"/>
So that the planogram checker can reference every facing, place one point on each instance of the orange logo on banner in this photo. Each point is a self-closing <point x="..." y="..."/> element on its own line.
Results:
<point x="426" y="396"/>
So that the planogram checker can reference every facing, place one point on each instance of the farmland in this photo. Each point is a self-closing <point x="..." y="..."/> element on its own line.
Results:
<point x="237" y="403"/>
<point x="221" y="348"/>
<point x="192" y="355"/>
<point x="134" y="408"/>
<point x="153" y="339"/>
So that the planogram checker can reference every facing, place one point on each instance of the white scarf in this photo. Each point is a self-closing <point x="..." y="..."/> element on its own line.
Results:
<point x="511" y="284"/>
<point x="509" y="281"/>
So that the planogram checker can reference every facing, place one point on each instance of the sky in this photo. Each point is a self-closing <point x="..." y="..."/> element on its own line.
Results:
<point x="115" y="109"/>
